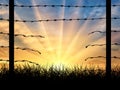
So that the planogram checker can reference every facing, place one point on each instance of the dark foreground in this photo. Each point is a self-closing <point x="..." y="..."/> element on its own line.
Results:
<point x="33" y="73"/>
<point x="32" y="77"/>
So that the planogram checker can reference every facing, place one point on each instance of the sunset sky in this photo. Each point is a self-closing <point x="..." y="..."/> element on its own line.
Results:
<point x="65" y="41"/>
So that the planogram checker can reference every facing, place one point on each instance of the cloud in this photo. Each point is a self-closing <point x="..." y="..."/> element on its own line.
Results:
<point x="3" y="12"/>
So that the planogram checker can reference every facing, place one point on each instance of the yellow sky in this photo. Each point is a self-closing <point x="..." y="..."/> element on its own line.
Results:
<point x="64" y="42"/>
<point x="67" y="49"/>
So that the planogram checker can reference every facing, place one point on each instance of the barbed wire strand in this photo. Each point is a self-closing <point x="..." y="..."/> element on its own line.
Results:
<point x="1" y="60"/>
<point x="16" y="35"/>
<point x="22" y="49"/>
<point x="48" y="20"/>
<point x="115" y="57"/>
<point x="96" y="32"/>
<point x="4" y="33"/>
<point x="27" y="61"/>
<point x="69" y="6"/>
<point x="64" y="19"/>
<point x="92" y="45"/>
<point x="102" y="32"/>
<point x="75" y="6"/>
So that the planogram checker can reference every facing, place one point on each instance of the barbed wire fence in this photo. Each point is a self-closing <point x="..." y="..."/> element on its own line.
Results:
<point x="92" y="45"/>
<point x="117" y="44"/>
<point x="62" y="19"/>
<point x="20" y="48"/>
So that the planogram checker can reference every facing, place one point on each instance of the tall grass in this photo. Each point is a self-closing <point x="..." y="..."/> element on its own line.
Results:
<point x="28" y="72"/>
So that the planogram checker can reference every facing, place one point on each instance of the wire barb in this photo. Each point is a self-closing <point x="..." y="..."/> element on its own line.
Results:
<point x="115" y="31"/>
<point x="4" y="33"/>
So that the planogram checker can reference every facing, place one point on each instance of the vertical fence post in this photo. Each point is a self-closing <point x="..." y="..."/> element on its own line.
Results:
<point x="11" y="38"/>
<point x="108" y="39"/>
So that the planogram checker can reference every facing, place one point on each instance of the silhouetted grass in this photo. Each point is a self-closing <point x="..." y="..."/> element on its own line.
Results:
<point x="28" y="72"/>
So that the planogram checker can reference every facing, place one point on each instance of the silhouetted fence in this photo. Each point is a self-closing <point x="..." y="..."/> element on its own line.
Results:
<point x="108" y="31"/>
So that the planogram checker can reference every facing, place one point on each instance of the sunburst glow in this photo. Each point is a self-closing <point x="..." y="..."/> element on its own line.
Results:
<point x="65" y="41"/>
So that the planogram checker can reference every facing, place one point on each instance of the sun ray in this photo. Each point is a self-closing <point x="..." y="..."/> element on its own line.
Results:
<point x="79" y="36"/>
<point x="43" y="30"/>
<point x="60" y="45"/>
<point x="64" y="41"/>
<point x="28" y="42"/>
<point x="70" y="32"/>
<point x="25" y="30"/>
<point x="74" y="42"/>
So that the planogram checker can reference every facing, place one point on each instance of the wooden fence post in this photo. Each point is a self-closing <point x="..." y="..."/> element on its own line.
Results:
<point x="108" y="39"/>
<point x="11" y="38"/>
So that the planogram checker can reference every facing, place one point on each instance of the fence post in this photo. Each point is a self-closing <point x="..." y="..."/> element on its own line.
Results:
<point x="11" y="38"/>
<point x="108" y="39"/>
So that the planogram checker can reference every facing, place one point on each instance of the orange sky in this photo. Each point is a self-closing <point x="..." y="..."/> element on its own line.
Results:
<point x="64" y="42"/>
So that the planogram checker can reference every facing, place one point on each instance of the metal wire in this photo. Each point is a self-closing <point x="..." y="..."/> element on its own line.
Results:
<point x="115" y="57"/>
<point x="45" y="5"/>
<point x="92" y="45"/>
<point x="22" y="49"/>
<point x="23" y="35"/>
<point x="1" y="60"/>
<point x="64" y="19"/>
<point x="114" y="31"/>
<point x="68" y="6"/>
